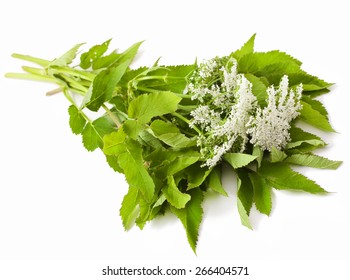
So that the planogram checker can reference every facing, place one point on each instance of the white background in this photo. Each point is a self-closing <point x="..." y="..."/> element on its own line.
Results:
<point x="59" y="203"/>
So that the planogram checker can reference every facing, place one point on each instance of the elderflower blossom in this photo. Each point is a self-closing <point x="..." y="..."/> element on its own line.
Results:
<point x="205" y="117"/>
<point x="225" y="107"/>
<point x="229" y="116"/>
<point x="270" y="126"/>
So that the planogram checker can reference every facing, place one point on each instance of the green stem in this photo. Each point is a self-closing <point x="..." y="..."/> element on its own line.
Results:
<point x="74" y="72"/>
<point x="32" y="77"/>
<point x="187" y="108"/>
<point x="54" y="91"/>
<point x="184" y="95"/>
<point x="34" y="70"/>
<point x="146" y="78"/>
<point x="181" y="117"/>
<point x="111" y="115"/>
<point x="70" y="99"/>
<point x="39" y="61"/>
<point x="150" y="90"/>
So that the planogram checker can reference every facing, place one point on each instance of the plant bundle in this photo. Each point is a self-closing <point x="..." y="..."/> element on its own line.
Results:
<point x="170" y="129"/>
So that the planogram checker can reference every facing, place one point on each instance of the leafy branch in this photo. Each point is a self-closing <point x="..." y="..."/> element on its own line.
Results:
<point x="145" y="127"/>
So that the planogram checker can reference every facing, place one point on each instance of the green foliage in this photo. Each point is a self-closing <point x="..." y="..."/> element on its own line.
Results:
<point x="312" y="160"/>
<point x="238" y="160"/>
<point x="94" y="53"/>
<point x="244" y="198"/>
<point x="262" y="193"/>
<point x="135" y="171"/>
<point x="214" y="181"/>
<point x="282" y="177"/>
<point x="147" y="106"/>
<point x="66" y="58"/>
<point x="258" y="88"/>
<point x="246" y="49"/>
<point x="277" y="155"/>
<point x="104" y="85"/>
<point x="301" y="138"/>
<point x="191" y="216"/>
<point x="94" y="132"/>
<point x="175" y="197"/>
<point x="141" y="120"/>
<point x="171" y="135"/>
<point x="245" y="190"/>
<point x="313" y="116"/>
<point x="76" y="120"/>
<point x="129" y="209"/>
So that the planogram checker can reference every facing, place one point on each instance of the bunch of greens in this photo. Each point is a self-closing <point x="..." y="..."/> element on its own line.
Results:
<point x="170" y="129"/>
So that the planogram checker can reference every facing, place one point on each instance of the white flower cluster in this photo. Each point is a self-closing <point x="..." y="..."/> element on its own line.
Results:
<point x="270" y="126"/>
<point x="231" y="104"/>
<point x="228" y="113"/>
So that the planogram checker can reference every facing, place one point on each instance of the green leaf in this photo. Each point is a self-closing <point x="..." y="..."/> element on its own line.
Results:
<point x="180" y="71"/>
<point x="132" y="128"/>
<point x="167" y="78"/>
<point x="262" y="193"/>
<point x="258" y="88"/>
<point x="274" y="72"/>
<point x="88" y="58"/>
<point x="114" y="59"/>
<point x="148" y="139"/>
<point x="145" y="211"/>
<point x="104" y="85"/>
<point x="316" y="105"/>
<point x="181" y="162"/>
<point x="247" y="48"/>
<point x="256" y="63"/>
<point x="76" y="119"/>
<point x="277" y="155"/>
<point x="169" y="162"/>
<point x="113" y="143"/>
<point x="158" y="207"/>
<point x="112" y="161"/>
<point x="315" y="93"/>
<point x="104" y="125"/>
<point x="147" y="106"/>
<point x="105" y="61"/>
<point x="196" y="175"/>
<point x="245" y="190"/>
<point x="243" y="214"/>
<point x="94" y="132"/>
<point x="66" y="58"/>
<point x="310" y="83"/>
<point x="160" y="201"/>
<point x="91" y="139"/>
<point x="214" y="181"/>
<point x="129" y="54"/>
<point x="162" y="157"/>
<point x="129" y="209"/>
<point x="238" y="160"/>
<point x="258" y="153"/>
<point x="175" y="197"/>
<point x="244" y="197"/>
<point x="312" y="160"/>
<point x="314" y="117"/>
<point x="171" y="135"/>
<point x="300" y="137"/>
<point x="282" y="177"/>
<point x="119" y="103"/>
<point x="191" y="216"/>
<point x="136" y="174"/>
<point x="274" y="64"/>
